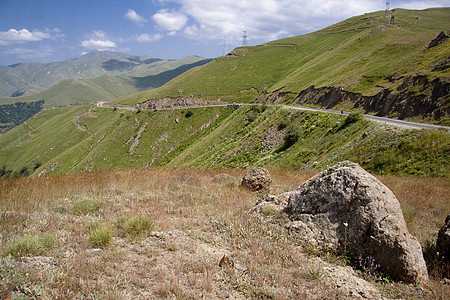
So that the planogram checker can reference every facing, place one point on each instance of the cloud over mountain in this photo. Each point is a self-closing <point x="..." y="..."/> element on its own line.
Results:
<point x="98" y="41"/>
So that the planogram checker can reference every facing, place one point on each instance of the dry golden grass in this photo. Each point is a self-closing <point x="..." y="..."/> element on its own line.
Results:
<point x="196" y="221"/>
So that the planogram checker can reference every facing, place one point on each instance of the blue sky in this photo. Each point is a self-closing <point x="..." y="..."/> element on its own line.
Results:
<point x="54" y="30"/>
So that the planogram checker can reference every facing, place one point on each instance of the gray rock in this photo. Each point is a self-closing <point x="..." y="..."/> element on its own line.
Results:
<point x="257" y="179"/>
<point x="443" y="240"/>
<point x="351" y="211"/>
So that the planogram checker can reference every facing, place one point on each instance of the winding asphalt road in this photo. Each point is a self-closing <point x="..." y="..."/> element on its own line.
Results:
<point x="394" y="122"/>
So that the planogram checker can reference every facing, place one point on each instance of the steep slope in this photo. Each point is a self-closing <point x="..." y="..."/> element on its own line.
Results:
<point x="89" y="138"/>
<point x="363" y="55"/>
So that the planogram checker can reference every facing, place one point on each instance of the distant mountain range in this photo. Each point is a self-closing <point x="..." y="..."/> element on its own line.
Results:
<point x="98" y="76"/>
<point x="26" y="79"/>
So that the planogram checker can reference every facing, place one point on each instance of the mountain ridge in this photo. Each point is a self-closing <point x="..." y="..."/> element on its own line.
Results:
<point x="30" y="78"/>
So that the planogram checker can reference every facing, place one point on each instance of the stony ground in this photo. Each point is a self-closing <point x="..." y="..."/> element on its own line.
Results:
<point x="205" y="241"/>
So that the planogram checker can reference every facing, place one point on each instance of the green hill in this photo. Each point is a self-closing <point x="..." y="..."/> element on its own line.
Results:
<point x="88" y="138"/>
<point x="372" y="65"/>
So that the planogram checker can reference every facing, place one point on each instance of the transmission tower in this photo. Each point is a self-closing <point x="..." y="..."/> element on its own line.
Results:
<point x="224" y="46"/>
<point x="388" y="7"/>
<point x="244" y="39"/>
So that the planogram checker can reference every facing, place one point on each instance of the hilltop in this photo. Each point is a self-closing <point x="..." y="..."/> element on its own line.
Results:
<point x="363" y="63"/>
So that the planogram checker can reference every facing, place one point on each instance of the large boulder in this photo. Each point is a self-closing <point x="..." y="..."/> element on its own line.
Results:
<point x="257" y="179"/>
<point x="443" y="240"/>
<point x="349" y="210"/>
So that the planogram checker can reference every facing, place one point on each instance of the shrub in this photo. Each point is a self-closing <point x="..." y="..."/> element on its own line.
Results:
<point x="283" y="124"/>
<point x="352" y="118"/>
<point x="138" y="226"/>
<point x="251" y="116"/>
<point x="100" y="235"/>
<point x="293" y="134"/>
<point x="189" y="113"/>
<point x="30" y="246"/>
<point x="85" y="207"/>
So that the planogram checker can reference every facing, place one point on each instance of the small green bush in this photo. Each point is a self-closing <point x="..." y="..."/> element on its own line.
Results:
<point x="30" y="246"/>
<point x="352" y="118"/>
<point x="293" y="134"/>
<point x="283" y="124"/>
<point x="100" y="235"/>
<point x="85" y="207"/>
<point x="251" y="116"/>
<point x="189" y="113"/>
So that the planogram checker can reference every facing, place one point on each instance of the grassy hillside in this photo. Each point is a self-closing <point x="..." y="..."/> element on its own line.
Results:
<point x="362" y="54"/>
<point x="88" y="138"/>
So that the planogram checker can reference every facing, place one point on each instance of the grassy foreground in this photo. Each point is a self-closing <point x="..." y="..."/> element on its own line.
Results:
<point x="161" y="232"/>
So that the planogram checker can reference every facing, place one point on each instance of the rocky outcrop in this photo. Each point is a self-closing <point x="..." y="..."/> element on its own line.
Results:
<point x="441" y="38"/>
<point x="403" y="104"/>
<point x="443" y="240"/>
<point x="257" y="179"/>
<point x="347" y="209"/>
<point x="172" y="102"/>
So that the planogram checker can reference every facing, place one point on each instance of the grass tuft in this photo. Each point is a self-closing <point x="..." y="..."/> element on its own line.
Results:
<point x="30" y="246"/>
<point x="100" y="235"/>
<point x="138" y="226"/>
<point x="86" y="207"/>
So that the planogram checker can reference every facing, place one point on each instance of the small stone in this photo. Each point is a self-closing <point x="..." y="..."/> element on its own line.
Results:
<point x="93" y="250"/>
<point x="224" y="294"/>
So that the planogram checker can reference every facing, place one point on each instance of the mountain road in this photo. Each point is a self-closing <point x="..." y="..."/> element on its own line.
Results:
<point x="389" y="121"/>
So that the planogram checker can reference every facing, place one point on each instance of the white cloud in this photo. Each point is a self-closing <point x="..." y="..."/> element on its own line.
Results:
<point x="147" y="38"/>
<point x="99" y="35"/>
<point x="98" y="41"/>
<point x="98" y="44"/>
<point x="13" y="36"/>
<point x="133" y="16"/>
<point x="170" y="21"/>
<point x="262" y="19"/>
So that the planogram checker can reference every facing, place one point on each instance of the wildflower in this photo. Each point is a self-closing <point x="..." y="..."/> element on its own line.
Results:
<point x="27" y="274"/>
<point x="346" y="224"/>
